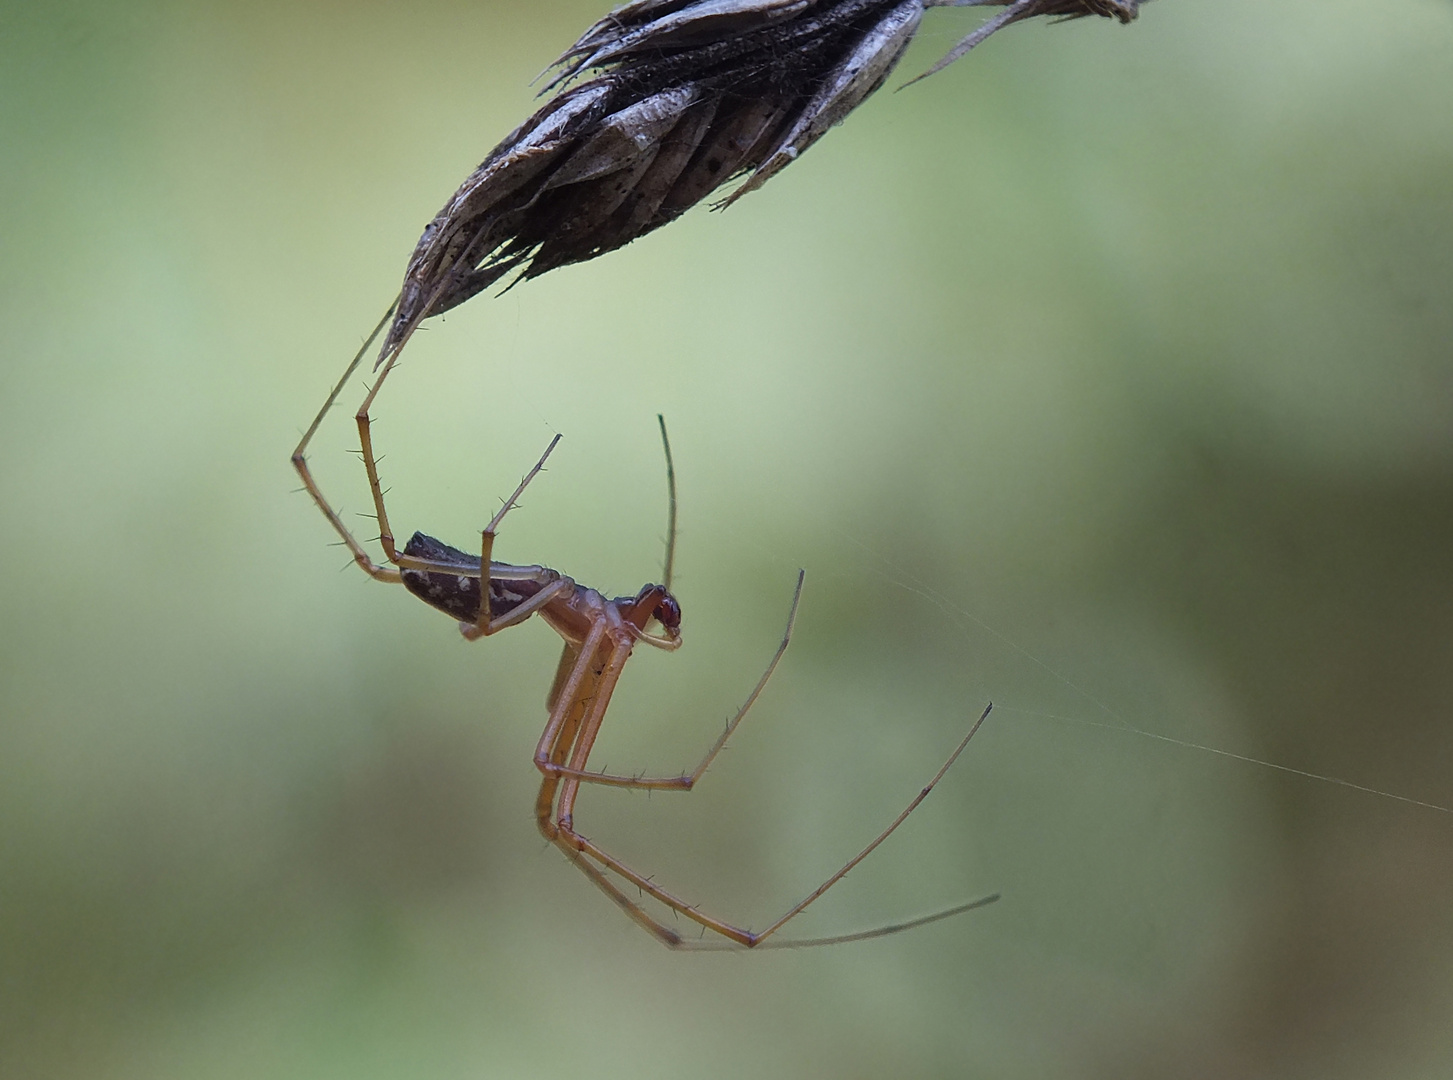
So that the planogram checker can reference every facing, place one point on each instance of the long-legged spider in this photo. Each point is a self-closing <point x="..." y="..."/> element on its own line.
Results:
<point x="599" y="635"/>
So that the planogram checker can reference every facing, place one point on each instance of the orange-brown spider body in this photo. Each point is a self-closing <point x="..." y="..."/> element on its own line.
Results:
<point x="688" y="94"/>
<point x="599" y="636"/>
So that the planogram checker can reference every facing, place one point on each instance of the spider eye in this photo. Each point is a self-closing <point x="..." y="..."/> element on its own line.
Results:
<point x="668" y="613"/>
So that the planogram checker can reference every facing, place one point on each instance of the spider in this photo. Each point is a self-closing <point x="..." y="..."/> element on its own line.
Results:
<point x="599" y="635"/>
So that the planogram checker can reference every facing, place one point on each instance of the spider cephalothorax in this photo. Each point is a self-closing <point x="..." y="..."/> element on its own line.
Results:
<point x="653" y="602"/>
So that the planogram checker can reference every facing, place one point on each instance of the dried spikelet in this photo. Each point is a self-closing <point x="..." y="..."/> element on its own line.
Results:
<point x="689" y="94"/>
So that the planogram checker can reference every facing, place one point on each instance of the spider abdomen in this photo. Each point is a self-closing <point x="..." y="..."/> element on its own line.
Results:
<point x="457" y="594"/>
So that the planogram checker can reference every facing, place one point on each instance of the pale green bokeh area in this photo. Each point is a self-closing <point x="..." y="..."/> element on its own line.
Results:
<point x="1108" y="375"/>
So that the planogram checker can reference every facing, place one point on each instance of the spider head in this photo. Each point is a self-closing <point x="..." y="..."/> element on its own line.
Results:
<point x="654" y="602"/>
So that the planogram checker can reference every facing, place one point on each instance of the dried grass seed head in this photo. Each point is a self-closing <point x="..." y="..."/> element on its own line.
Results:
<point x="689" y="95"/>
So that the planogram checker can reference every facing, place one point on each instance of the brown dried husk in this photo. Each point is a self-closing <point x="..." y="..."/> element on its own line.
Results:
<point x="688" y="95"/>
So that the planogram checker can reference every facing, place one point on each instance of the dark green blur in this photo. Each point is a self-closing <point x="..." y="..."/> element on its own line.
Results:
<point x="1107" y="375"/>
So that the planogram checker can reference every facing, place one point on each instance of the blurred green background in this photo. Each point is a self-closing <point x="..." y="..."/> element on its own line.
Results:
<point x="1107" y="375"/>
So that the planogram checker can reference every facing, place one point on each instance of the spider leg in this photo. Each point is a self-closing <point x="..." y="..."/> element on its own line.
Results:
<point x="597" y="691"/>
<point x="860" y="856"/>
<point x="519" y="613"/>
<point x="310" y="485"/>
<point x="714" y="945"/>
<point x="556" y="741"/>
<point x="383" y="366"/>
<point x="736" y="938"/>
<point x="576" y="720"/>
<point x="300" y="463"/>
<point x="579" y="712"/>
<point x="365" y="443"/>
<point x="484" y="625"/>
<point x="669" y="568"/>
<point x="567" y="708"/>
<point x="687" y="781"/>
<point x="660" y="931"/>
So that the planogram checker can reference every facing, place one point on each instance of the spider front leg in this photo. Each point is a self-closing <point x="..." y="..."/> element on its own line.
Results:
<point x="576" y="845"/>
<point x="574" y="723"/>
<point x="575" y="720"/>
<point x="570" y="663"/>
<point x="484" y="625"/>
